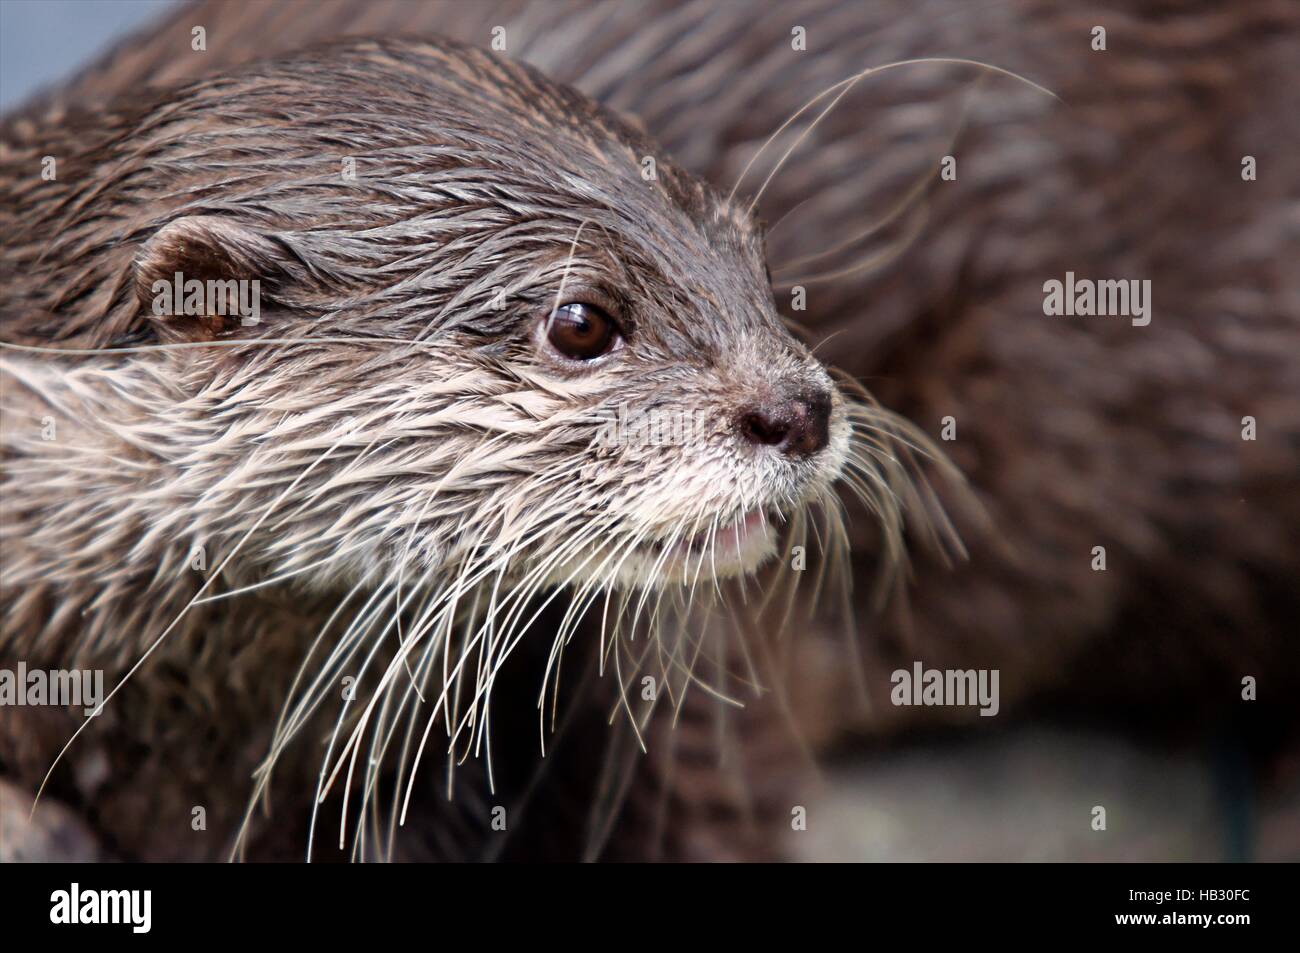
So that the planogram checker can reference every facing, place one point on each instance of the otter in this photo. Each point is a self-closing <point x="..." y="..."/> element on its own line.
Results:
<point x="344" y="509"/>
<point x="1072" y="434"/>
<point x="931" y="289"/>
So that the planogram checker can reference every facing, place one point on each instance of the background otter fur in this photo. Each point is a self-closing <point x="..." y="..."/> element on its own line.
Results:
<point x="1073" y="434"/>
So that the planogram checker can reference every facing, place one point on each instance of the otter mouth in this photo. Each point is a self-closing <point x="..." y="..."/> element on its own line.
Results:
<point x="737" y="546"/>
<point x="729" y="538"/>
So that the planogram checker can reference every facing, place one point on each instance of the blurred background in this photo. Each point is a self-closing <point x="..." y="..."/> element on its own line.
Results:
<point x="44" y="41"/>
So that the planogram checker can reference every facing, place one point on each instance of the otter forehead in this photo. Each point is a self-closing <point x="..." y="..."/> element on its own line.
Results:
<point x="384" y="188"/>
<point x="472" y="145"/>
<point x="584" y="164"/>
<point x="402" y="99"/>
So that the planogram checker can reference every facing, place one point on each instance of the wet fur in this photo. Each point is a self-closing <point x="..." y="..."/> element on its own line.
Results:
<point x="1071" y="436"/>
<point x="389" y="473"/>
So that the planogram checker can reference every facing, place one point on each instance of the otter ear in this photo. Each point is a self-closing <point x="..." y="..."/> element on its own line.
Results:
<point x="201" y="277"/>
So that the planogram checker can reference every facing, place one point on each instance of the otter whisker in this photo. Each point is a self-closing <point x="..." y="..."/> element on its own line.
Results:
<point x="524" y="593"/>
<point x="911" y="233"/>
<point x="278" y="740"/>
<point x="559" y="730"/>
<point x="851" y="81"/>
<point x="578" y="606"/>
<point x="203" y="588"/>
<point x="477" y="638"/>
<point x="615" y="779"/>
<point x="910" y="195"/>
<point x="281" y="577"/>
<point x="753" y="203"/>
<point x="55" y="351"/>
<point x="384" y="727"/>
<point x="622" y="694"/>
<point x="324" y="785"/>
<point x="691" y="678"/>
<point x="290" y="723"/>
<point x="351" y="743"/>
<point x="401" y="563"/>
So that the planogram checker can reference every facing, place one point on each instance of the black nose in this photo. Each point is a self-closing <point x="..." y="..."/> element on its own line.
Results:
<point x="798" y="427"/>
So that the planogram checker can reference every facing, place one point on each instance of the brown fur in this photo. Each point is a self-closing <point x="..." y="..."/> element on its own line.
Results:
<point x="1073" y="434"/>
<point x="397" y="419"/>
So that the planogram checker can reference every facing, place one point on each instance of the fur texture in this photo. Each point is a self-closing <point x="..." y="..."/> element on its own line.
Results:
<point x="395" y="452"/>
<point x="1073" y="434"/>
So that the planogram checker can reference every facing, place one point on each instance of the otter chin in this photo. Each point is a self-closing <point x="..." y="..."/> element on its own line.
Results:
<point x="732" y="549"/>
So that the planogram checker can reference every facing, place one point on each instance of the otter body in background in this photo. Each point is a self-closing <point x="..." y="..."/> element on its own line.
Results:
<point x="1075" y="432"/>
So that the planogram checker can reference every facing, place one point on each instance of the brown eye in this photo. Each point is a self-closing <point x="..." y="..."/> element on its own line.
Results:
<point x="581" y="331"/>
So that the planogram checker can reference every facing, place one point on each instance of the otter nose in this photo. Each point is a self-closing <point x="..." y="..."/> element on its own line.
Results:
<point x="797" y="427"/>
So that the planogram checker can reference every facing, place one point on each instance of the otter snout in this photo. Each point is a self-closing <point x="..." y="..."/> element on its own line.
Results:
<point x="797" y="426"/>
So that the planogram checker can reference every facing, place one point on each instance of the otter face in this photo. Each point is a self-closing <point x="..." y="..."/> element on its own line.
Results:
<point x="708" y="431"/>
<point x="705" y="425"/>
<point x="512" y="342"/>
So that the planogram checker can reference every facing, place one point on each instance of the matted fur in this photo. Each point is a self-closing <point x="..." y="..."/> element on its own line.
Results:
<point x="392" y="476"/>
<point x="1072" y="436"/>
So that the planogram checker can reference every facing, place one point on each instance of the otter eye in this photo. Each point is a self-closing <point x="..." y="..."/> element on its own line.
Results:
<point x="581" y="331"/>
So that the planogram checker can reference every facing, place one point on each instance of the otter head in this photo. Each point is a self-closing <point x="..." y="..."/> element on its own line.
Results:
<point x="496" y="333"/>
